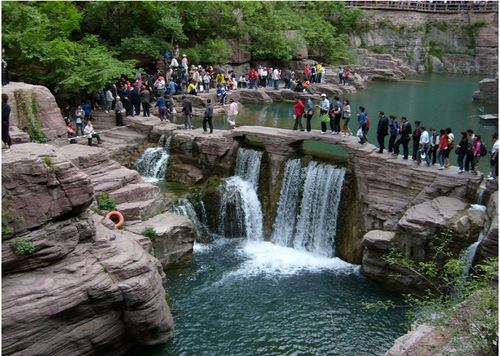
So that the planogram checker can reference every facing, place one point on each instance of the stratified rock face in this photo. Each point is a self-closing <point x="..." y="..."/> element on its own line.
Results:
<point x="424" y="340"/>
<point x="488" y="91"/>
<point x="416" y="228"/>
<point x="28" y="100"/>
<point x="78" y="287"/>
<point x="175" y="237"/>
<point x="39" y="186"/>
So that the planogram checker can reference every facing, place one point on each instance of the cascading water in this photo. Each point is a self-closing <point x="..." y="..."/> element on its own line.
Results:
<point x="470" y="252"/>
<point x="240" y="213"/>
<point x="186" y="208"/>
<point x="153" y="163"/>
<point x="312" y="225"/>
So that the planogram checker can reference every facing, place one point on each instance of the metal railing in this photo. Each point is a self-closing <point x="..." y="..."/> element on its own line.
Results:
<point x="428" y="6"/>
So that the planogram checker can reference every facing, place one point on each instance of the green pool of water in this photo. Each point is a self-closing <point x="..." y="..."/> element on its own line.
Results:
<point x="256" y="298"/>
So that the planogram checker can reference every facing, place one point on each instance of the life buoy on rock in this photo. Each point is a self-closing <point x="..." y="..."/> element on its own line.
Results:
<point x="116" y="215"/>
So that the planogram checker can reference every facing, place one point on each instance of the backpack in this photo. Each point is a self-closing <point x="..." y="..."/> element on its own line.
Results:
<point x="483" y="151"/>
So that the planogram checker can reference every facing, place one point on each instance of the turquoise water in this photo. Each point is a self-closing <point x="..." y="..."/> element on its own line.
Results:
<point x="257" y="298"/>
<point x="437" y="100"/>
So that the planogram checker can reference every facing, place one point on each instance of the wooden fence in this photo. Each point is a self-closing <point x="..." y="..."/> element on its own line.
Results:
<point x="428" y="6"/>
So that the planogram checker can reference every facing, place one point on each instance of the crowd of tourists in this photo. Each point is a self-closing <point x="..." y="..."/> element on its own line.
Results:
<point x="429" y="145"/>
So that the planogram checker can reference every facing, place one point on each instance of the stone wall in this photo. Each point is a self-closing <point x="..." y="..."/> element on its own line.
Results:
<point x="455" y="43"/>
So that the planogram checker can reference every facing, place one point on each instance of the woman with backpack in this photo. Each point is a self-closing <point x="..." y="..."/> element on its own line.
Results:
<point x="477" y="147"/>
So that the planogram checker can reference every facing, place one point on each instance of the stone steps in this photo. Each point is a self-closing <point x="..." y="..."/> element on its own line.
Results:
<point x="135" y="192"/>
<point x="115" y="179"/>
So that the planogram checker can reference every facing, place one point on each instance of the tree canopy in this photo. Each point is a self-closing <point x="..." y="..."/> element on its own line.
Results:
<point x="74" y="47"/>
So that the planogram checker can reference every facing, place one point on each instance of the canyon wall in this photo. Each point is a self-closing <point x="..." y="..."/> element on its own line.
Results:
<point x="436" y="42"/>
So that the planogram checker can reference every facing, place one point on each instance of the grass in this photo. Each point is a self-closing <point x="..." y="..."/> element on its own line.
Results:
<point x="23" y="247"/>
<point x="106" y="202"/>
<point x="150" y="233"/>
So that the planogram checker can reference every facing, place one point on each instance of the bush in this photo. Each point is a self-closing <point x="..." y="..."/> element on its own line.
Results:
<point x="150" y="233"/>
<point x="23" y="247"/>
<point x="106" y="202"/>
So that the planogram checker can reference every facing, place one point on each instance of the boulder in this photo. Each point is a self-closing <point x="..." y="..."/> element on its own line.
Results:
<point x="39" y="185"/>
<point x="254" y="96"/>
<point x="24" y="98"/>
<point x="488" y="91"/>
<point x="184" y="173"/>
<point x="175" y="235"/>
<point x="489" y="246"/>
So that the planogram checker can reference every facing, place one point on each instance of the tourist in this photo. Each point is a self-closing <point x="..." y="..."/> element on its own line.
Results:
<point x="307" y="73"/>
<point x="79" y="116"/>
<point x="313" y="74"/>
<point x="451" y="145"/>
<point x="109" y="100"/>
<point x="309" y="113"/>
<point x="125" y="95"/>
<point x="382" y="131"/>
<point x="346" y="117"/>
<point x="160" y="86"/>
<point x="135" y="101"/>
<point x="423" y="147"/>
<point x="393" y="131"/>
<point x="276" y="78"/>
<point x="443" y="148"/>
<point x="221" y="94"/>
<point x="405" y="133"/>
<point x="322" y="73"/>
<point x="71" y="132"/>
<point x="187" y="110"/>
<point x="298" y="111"/>
<point x="323" y="113"/>
<point x="5" y="74"/>
<point x="191" y="89"/>
<point x="90" y="132"/>
<point x="416" y="139"/>
<point x="478" y="148"/>
<point x="171" y="88"/>
<point x="145" y="100"/>
<point x="469" y="152"/>
<point x="336" y="116"/>
<point x="206" y="82"/>
<point x="161" y="103"/>
<point x="362" y="121"/>
<point x="346" y="76"/>
<point x="494" y="158"/>
<point x="299" y="87"/>
<point x="119" y="110"/>
<point x="6" y="121"/>
<point x="207" y="117"/>
<point x="184" y="63"/>
<point x="461" y="151"/>
<point x="87" y="109"/>
<point x="288" y="78"/>
<point x="340" y="73"/>
<point x="232" y="113"/>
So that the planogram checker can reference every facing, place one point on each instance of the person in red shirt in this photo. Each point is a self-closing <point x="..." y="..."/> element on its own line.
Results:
<point x="443" y="146"/>
<point x="298" y="111"/>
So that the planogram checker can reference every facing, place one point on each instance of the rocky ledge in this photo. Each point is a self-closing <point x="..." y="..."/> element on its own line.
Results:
<point x="71" y="283"/>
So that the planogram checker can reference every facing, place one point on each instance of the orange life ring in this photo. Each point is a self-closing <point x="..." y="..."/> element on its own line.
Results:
<point x="117" y="215"/>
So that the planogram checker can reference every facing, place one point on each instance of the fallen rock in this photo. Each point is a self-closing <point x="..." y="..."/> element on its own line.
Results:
<point x="174" y="239"/>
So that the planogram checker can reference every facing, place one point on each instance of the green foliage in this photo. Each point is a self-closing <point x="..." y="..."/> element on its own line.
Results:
<point x="7" y="231"/>
<point x="470" y="31"/>
<point x="378" y="49"/>
<point x="23" y="247"/>
<point x="50" y="165"/>
<point x="150" y="233"/>
<point x="106" y="202"/>
<point x="435" y="50"/>
<point x="466" y="306"/>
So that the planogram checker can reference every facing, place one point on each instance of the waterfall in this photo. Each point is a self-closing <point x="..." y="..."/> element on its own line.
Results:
<point x="312" y="224"/>
<point x="186" y="208"/>
<point x="248" y="165"/>
<point x="153" y="163"/>
<point x="288" y="205"/>
<point x="470" y="252"/>
<point x="240" y="213"/>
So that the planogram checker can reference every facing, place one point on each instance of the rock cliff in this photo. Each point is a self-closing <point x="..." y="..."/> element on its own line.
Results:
<point x="456" y="43"/>
<point x="70" y="284"/>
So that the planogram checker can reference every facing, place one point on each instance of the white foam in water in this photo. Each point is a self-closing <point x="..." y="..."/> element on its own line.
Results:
<point x="477" y="207"/>
<point x="266" y="258"/>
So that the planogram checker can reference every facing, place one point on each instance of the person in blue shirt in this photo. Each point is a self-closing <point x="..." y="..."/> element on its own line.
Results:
<point x="87" y="109"/>
<point x="393" y="131"/>
<point x="221" y="94"/>
<point x="162" y="108"/>
<point x="362" y="125"/>
<point x="171" y="87"/>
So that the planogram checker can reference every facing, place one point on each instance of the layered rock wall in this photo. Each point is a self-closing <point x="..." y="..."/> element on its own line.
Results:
<point x="439" y="42"/>
<point x="71" y="284"/>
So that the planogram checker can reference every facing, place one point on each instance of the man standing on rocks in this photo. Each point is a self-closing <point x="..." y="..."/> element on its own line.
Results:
<point x="416" y="139"/>
<point x="5" y="121"/>
<point x="382" y="130"/>
<point x="493" y="161"/>
<point x="337" y="115"/>
<point x="276" y="78"/>
<point x="119" y="112"/>
<point x="404" y="139"/>
<point x="298" y="111"/>
<point x="187" y="110"/>
<point x="323" y="112"/>
<point x="145" y="99"/>
<point x="393" y="128"/>
<point x="207" y="118"/>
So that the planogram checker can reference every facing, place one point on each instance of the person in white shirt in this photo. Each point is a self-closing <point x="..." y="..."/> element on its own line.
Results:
<point x="423" y="150"/>
<point x="323" y="112"/>
<point x="276" y="78"/>
<point x="90" y="133"/>
<point x="232" y="113"/>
